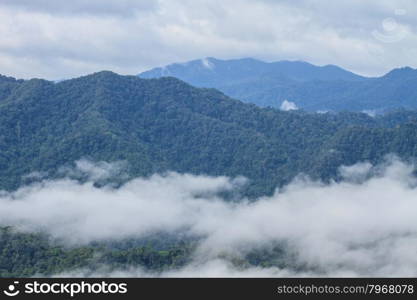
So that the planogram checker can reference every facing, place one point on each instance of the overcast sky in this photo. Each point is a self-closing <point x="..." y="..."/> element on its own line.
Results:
<point x="62" y="39"/>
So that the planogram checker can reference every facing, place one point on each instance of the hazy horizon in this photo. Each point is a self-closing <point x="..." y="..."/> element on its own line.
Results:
<point x="48" y="40"/>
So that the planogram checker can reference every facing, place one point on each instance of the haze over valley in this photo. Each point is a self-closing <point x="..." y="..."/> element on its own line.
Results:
<point x="208" y="139"/>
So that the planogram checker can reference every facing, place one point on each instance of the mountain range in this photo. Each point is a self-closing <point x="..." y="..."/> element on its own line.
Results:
<point x="160" y="125"/>
<point x="309" y="87"/>
<point x="165" y="124"/>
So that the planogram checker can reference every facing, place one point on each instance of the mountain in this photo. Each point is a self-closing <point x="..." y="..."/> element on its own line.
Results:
<point x="165" y="124"/>
<point x="309" y="87"/>
<point x="208" y="72"/>
<point x="156" y="125"/>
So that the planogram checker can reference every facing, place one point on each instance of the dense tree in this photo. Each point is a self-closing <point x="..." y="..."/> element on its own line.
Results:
<point x="165" y="124"/>
<point x="30" y="254"/>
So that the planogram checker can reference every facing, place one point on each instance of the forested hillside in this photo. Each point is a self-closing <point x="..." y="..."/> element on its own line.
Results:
<point x="165" y="124"/>
<point x="26" y="254"/>
<point x="158" y="125"/>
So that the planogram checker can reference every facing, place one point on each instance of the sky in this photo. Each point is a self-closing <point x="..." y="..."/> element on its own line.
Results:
<point x="364" y="225"/>
<point x="64" y="39"/>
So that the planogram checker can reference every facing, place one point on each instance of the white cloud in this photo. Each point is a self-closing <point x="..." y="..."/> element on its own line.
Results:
<point x="357" y="172"/>
<point x="46" y="39"/>
<point x="207" y="63"/>
<point x="124" y="8"/>
<point x="96" y="171"/>
<point x="288" y="105"/>
<point x="371" y="113"/>
<point x="211" y="268"/>
<point x="364" y="225"/>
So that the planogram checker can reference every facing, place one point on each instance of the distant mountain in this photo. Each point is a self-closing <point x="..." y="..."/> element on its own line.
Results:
<point x="210" y="71"/>
<point x="165" y="124"/>
<point x="312" y="88"/>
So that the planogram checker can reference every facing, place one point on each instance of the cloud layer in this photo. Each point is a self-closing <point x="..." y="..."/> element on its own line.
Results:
<point x="364" y="225"/>
<point x="55" y="41"/>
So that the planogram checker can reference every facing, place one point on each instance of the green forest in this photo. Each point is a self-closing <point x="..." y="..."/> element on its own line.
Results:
<point x="158" y="125"/>
<point x="31" y="254"/>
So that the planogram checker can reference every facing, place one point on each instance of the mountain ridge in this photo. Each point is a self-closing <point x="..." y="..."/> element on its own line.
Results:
<point x="259" y="67"/>
<point x="165" y="124"/>
<point x="310" y="87"/>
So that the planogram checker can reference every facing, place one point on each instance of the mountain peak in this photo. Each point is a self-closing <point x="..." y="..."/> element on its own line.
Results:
<point x="104" y="73"/>
<point x="212" y="72"/>
<point x="310" y="87"/>
<point x="401" y="72"/>
<point x="4" y="78"/>
<point x="104" y="76"/>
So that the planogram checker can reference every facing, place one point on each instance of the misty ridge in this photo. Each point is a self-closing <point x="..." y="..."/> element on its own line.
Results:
<point x="109" y="175"/>
<point x="362" y="225"/>
<point x="208" y="139"/>
<point x="304" y="85"/>
<point x="160" y="125"/>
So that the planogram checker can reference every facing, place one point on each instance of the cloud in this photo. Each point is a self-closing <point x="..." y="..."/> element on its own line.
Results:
<point x="288" y="105"/>
<point x="96" y="171"/>
<point x="207" y="63"/>
<point x="371" y="113"/>
<point x="123" y="8"/>
<point x="364" y="225"/>
<point x="357" y="172"/>
<point x="55" y="41"/>
<point x="212" y="268"/>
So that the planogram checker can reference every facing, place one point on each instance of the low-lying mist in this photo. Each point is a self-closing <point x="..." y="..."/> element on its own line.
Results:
<point x="365" y="225"/>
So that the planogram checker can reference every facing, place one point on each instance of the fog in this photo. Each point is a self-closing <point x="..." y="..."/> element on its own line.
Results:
<point x="288" y="105"/>
<point x="365" y="225"/>
<point x="210" y="268"/>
